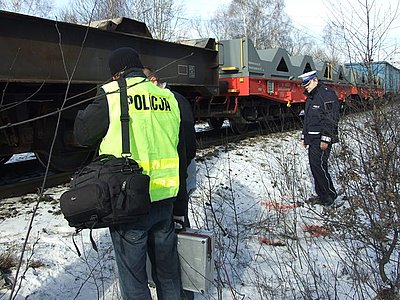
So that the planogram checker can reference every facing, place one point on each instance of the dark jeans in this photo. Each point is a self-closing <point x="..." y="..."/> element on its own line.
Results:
<point x="153" y="234"/>
<point x="319" y="168"/>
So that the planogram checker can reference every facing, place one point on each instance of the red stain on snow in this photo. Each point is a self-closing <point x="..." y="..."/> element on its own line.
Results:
<point x="272" y="242"/>
<point x="316" y="230"/>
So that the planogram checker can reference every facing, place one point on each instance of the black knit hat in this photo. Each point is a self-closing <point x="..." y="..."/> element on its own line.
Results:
<point x="123" y="59"/>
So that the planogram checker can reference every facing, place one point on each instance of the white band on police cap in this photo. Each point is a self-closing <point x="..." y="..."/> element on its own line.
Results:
<point x="306" y="77"/>
<point x="326" y="139"/>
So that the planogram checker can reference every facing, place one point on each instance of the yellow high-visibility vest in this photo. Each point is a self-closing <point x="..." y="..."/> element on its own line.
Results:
<point x="153" y="131"/>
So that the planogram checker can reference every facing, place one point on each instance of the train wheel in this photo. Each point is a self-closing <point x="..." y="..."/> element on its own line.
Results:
<point x="216" y="123"/>
<point x="266" y="125"/>
<point x="66" y="155"/>
<point x="238" y="127"/>
<point x="65" y="162"/>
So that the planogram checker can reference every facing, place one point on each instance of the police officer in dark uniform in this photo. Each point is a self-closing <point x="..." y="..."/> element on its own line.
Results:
<point x="320" y="131"/>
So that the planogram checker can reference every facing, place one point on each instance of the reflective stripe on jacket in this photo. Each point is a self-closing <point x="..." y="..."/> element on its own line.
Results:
<point x="153" y="132"/>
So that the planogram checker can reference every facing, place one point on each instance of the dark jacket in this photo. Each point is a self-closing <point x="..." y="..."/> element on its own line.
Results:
<point x="321" y="116"/>
<point x="187" y="122"/>
<point x="91" y="126"/>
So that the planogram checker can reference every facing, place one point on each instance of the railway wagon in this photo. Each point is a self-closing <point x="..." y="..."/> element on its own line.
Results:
<point x="263" y="85"/>
<point x="49" y="67"/>
<point x="389" y="74"/>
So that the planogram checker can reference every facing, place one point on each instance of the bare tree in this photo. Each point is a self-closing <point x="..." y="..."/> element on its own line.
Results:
<point x="332" y="38"/>
<point x="162" y="17"/>
<point x="263" y="21"/>
<point x="39" y="8"/>
<point x="364" y="27"/>
<point x="369" y="154"/>
<point x="88" y="10"/>
<point x="300" y="44"/>
<point x="329" y="51"/>
<point x="217" y="27"/>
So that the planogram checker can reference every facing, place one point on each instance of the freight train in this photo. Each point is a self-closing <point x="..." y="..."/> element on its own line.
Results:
<point x="52" y="69"/>
<point x="262" y="85"/>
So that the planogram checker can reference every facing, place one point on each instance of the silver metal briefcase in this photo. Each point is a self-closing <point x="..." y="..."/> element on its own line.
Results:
<point x="196" y="255"/>
<point x="196" y="250"/>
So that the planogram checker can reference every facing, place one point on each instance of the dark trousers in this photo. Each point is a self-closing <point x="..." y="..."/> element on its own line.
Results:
<point x="153" y="234"/>
<point x="319" y="168"/>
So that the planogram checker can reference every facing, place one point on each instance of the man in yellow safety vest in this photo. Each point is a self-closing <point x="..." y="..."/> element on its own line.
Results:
<point x="156" y="143"/>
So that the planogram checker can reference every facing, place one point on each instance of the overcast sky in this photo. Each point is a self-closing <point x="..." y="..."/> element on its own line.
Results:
<point x="301" y="12"/>
<point x="309" y="16"/>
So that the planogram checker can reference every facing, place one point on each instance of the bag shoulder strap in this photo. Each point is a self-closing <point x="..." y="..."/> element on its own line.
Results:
<point x="124" y="117"/>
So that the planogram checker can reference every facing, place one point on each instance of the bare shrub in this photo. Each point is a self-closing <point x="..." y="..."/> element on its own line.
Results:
<point x="7" y="260"/>
<point x="369" y="166"/>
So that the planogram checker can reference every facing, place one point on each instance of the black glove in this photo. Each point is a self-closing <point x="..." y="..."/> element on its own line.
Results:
<point x="179" y="223"/>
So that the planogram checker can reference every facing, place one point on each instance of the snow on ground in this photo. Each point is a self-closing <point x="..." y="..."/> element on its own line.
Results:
<point x="267" y="246"/>
<point x="21" y="157"/>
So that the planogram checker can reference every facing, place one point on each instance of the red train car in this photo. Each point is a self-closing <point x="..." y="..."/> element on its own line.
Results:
<point x="263" y="85"/>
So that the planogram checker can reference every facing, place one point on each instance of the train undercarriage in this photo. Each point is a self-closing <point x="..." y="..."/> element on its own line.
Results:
<point x="243" y="111"/>
<point x="49" y="66"/>
<point x="33" y="120"/>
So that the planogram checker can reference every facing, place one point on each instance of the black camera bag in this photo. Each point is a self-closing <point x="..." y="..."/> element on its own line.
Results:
<point x="106" y="192"/>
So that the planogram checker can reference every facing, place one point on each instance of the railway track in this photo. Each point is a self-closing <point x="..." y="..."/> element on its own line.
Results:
<point x="23" y="177"/>
<point x="225" y="135"/>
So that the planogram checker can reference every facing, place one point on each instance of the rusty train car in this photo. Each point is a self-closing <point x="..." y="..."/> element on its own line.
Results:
<point x="52" y="69"/>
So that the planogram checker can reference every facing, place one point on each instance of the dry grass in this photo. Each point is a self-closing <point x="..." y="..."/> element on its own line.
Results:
<point x="7" y="261"/>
